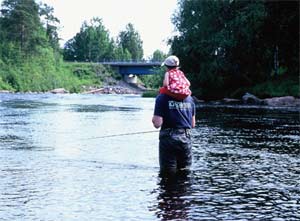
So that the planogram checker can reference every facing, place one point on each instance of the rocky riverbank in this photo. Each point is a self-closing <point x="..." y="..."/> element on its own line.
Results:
<point x="122" y="87"/>
<point x="250" y="99"/>
<point x="116" y="87"/>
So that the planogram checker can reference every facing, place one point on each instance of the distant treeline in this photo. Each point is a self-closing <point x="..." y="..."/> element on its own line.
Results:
<point x="226" y="48"/>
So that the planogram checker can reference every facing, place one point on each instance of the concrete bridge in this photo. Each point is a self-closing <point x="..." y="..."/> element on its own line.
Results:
<point x="131" y="69"/>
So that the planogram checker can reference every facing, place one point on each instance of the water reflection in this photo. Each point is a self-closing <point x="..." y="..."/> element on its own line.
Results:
<point x="173" y="192"/>
<point x="100" y="108"/>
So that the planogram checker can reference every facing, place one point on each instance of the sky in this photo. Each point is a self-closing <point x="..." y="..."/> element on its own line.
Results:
<point x="150" y="18"/>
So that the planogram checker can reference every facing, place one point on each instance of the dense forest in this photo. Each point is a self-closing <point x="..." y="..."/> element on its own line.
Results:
<point x="226" y="48"/>
<point x="230" y="47"/>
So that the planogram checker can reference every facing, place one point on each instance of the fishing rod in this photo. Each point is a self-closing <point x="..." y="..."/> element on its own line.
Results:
<point x="113" y="135"/>
<point x="123" y="134"/>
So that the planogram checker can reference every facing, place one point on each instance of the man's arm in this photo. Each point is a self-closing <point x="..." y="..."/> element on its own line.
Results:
<point x="157" y="121"/>
<point x="193" y="121"/>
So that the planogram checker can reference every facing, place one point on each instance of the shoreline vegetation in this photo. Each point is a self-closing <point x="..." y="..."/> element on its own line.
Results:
<point x="92" y="78"/>
<point x="247" y="99"/>
<point x="238" y="59"/>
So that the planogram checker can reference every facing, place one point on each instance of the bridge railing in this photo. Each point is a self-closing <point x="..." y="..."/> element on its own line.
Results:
<point x="136" y="67"/>
<point x="155" y="62"/>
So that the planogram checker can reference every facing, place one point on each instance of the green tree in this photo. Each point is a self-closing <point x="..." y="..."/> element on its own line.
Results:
<point x="158" y="56"/>
<point x="50" y="23"/>
<point x="21" y="21"/>
<point x="121" y="54"/>
<point x="198" y="23"/>
<point x="130" y="40"/>
<point x="2" y="38"/>
<point x="225" y="46"/>
<point x="92" y="43"/>
<point x="280" y="37"/>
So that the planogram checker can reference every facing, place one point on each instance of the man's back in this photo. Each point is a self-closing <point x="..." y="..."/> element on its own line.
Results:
<point x="175" y="114"/>
<point x="175" y="118"/>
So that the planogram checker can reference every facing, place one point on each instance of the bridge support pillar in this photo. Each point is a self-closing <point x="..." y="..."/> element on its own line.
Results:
<point x="130" y="78"/>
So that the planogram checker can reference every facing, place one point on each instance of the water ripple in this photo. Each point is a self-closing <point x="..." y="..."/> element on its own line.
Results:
<point x="245" y="162"/>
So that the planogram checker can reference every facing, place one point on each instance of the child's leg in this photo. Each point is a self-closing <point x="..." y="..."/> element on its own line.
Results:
<point x="164" y="90"/>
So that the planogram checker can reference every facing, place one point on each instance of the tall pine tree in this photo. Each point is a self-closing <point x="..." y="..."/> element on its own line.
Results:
<point x="21" y="21"/>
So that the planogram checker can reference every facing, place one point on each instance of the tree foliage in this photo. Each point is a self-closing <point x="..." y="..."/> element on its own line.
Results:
<point x="21" y="24"/>
<point x="228" y="45"/>
<point x="158" y="56"/>
<point x="130" y="40"/>
<point x="50" y="23"/>
<point x="225" y="46"/>
<point x="92" y="43"/>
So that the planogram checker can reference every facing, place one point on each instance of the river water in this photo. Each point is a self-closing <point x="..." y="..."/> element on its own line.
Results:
<point x="58" y="161"/>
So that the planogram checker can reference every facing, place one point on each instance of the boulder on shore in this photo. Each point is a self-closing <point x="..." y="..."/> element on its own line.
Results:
<point x="231" y="101"/>
<point x="282" y="101"/>
<point x="251" y="99"/>
<point x="59" y="91"/>
<point x="112" y="90"/>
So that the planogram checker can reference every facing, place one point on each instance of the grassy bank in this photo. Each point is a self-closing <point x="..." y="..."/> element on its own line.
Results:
<point x="40" y="76"/>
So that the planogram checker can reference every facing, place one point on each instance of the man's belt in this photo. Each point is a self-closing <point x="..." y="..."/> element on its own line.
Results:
<point x="176" y="130"/>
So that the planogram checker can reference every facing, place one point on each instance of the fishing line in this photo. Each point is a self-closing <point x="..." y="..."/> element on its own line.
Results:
<point x="114" y="135"/>
<point x="124" y="134"/>
<point x="107" y="136"/>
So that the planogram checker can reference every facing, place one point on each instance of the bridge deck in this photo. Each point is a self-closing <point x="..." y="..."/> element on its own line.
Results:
<point x="133" y="67"/>
<point x="132" y="63"/>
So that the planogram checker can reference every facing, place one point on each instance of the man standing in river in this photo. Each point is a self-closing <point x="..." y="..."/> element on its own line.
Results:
<point x="175" y="118"/>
